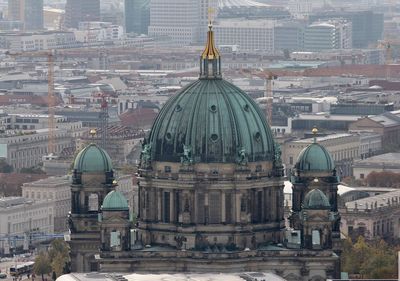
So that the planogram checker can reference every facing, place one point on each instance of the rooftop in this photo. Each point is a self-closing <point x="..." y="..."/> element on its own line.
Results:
<point x="324" y="138"/>
<point x="387" y="159"/>
<point x="8" y="202"/>
<point x="375" y="202"/>
<point x="175" y="277"/>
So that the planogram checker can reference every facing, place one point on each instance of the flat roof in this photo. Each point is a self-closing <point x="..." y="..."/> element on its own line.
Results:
<point x="324" y="138"/>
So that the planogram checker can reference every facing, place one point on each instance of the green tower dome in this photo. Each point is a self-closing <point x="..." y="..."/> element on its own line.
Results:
<point x="92" y="159"/>
<point x="115" y="201"/>
<point x="315" y="158"/>
<point x="316" y="199"/>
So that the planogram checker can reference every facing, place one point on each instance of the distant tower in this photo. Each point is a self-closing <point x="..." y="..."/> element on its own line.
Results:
<point x="29" y="12"/>
<point x="77" y="11"/>
<point x="104" y="122"/>
<point x="92" y="180"/>
<point x="137" y="16"/>
<point x="315" y="168"/>
<point x="115" y="223"/>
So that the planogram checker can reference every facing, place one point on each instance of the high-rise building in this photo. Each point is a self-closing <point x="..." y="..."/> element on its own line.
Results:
<point x="78" y="10"/>
<point x="289" y="35"/>
<point x="182" y="21"/>
<point x="137" y="16"/>
<point x="29" y="12"/>
<point x="367" y="26"/>
<point x="249" y="35"/>
<point x="328" y="35"/>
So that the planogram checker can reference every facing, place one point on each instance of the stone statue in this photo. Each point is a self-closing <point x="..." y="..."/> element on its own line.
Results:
<point x="187" y="159"/>
<point x="70" y="223"/>
<point x="242" y="157"/>
<point x="145" y="156"/>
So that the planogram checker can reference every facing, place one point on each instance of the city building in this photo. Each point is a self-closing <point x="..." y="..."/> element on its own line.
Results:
<point x="53" y="18"/>
<point x="121" y="142"/>
<point x="289" y="35"/>
<point x="249" y="35"/>
<point x="16" y="42"/>
<point x="376" y="217"/>
<point x="329" y="35"/>
<point x="181" y="21"/>
<point x="77" y="11"/>
<point x="210" y="194"/>
<point x="388" y="162"/>
<point x="26" y="150"/>
<point x="29" y="12"/>
<point x="24" y="222"/>
<point x="387" y="125"/>
<point x="176" y="20"/>
<point x="366" y="25"/>
<point x="137" y="16"/>
<point x="344" y="148"/>
<point x="56" y="191"/>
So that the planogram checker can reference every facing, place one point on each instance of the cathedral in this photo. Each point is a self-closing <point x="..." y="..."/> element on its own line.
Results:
<point x="210" y="194"/>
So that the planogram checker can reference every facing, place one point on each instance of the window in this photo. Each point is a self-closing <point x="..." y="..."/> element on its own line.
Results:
<point x="291" y="160"/>
<point x="166" y="217"/>
<point x="167" y="169"/>
<point x="215" y="207"/>
<point x="115" y="239"/>
<point x="362" y="176"/>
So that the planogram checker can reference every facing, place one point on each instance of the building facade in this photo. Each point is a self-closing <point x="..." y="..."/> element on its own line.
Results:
<point x="375" y="217"/>
<point x="333" y="34"/>
<point x="137" y="16"/>
<point x="24" y="222"/>
<point x="25" y="150"/>
<point x="56" y="191"/>
<point x="210" y="194"/>
<point x="249" y="35"/>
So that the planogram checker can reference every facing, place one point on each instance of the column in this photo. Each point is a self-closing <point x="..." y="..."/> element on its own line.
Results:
<point x="223" y="207"/>
<point x="237" y="207"/>
<point x="171" y="206"/>
<point x="159" y="206"/>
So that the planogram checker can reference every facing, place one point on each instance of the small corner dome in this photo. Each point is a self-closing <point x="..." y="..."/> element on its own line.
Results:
<point x="93" y="159"/>
<point x="115" y="201"/>
<point x="316" y="199"/>
<point x="316" y="158"/>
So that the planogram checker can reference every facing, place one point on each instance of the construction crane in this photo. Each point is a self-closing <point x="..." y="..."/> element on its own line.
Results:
<point x="269" y="96"/>
<point x="49" y="55"/>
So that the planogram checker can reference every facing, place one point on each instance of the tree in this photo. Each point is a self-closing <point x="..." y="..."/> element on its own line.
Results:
<point x="5" y="167"/>
<point x="375" y="260"/>
<point x="59" y="256"/>
<point x="42" y="264"/>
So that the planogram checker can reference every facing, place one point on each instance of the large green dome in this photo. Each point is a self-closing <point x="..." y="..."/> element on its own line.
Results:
<point x="315" y="158"/>
<point x="115" y="201"/>
<point x="316" y="199"/>
<point x="92" y="159"/>
<point x="214" y="121"/>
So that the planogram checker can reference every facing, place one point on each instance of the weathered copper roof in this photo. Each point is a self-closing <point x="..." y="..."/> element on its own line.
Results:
<point x="215" y="121"/>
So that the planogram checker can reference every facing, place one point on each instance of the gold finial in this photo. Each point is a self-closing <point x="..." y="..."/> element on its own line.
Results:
<point x="92" y="132"/>
<point x="315" y="132"/>
<point x="210" y="52"/>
